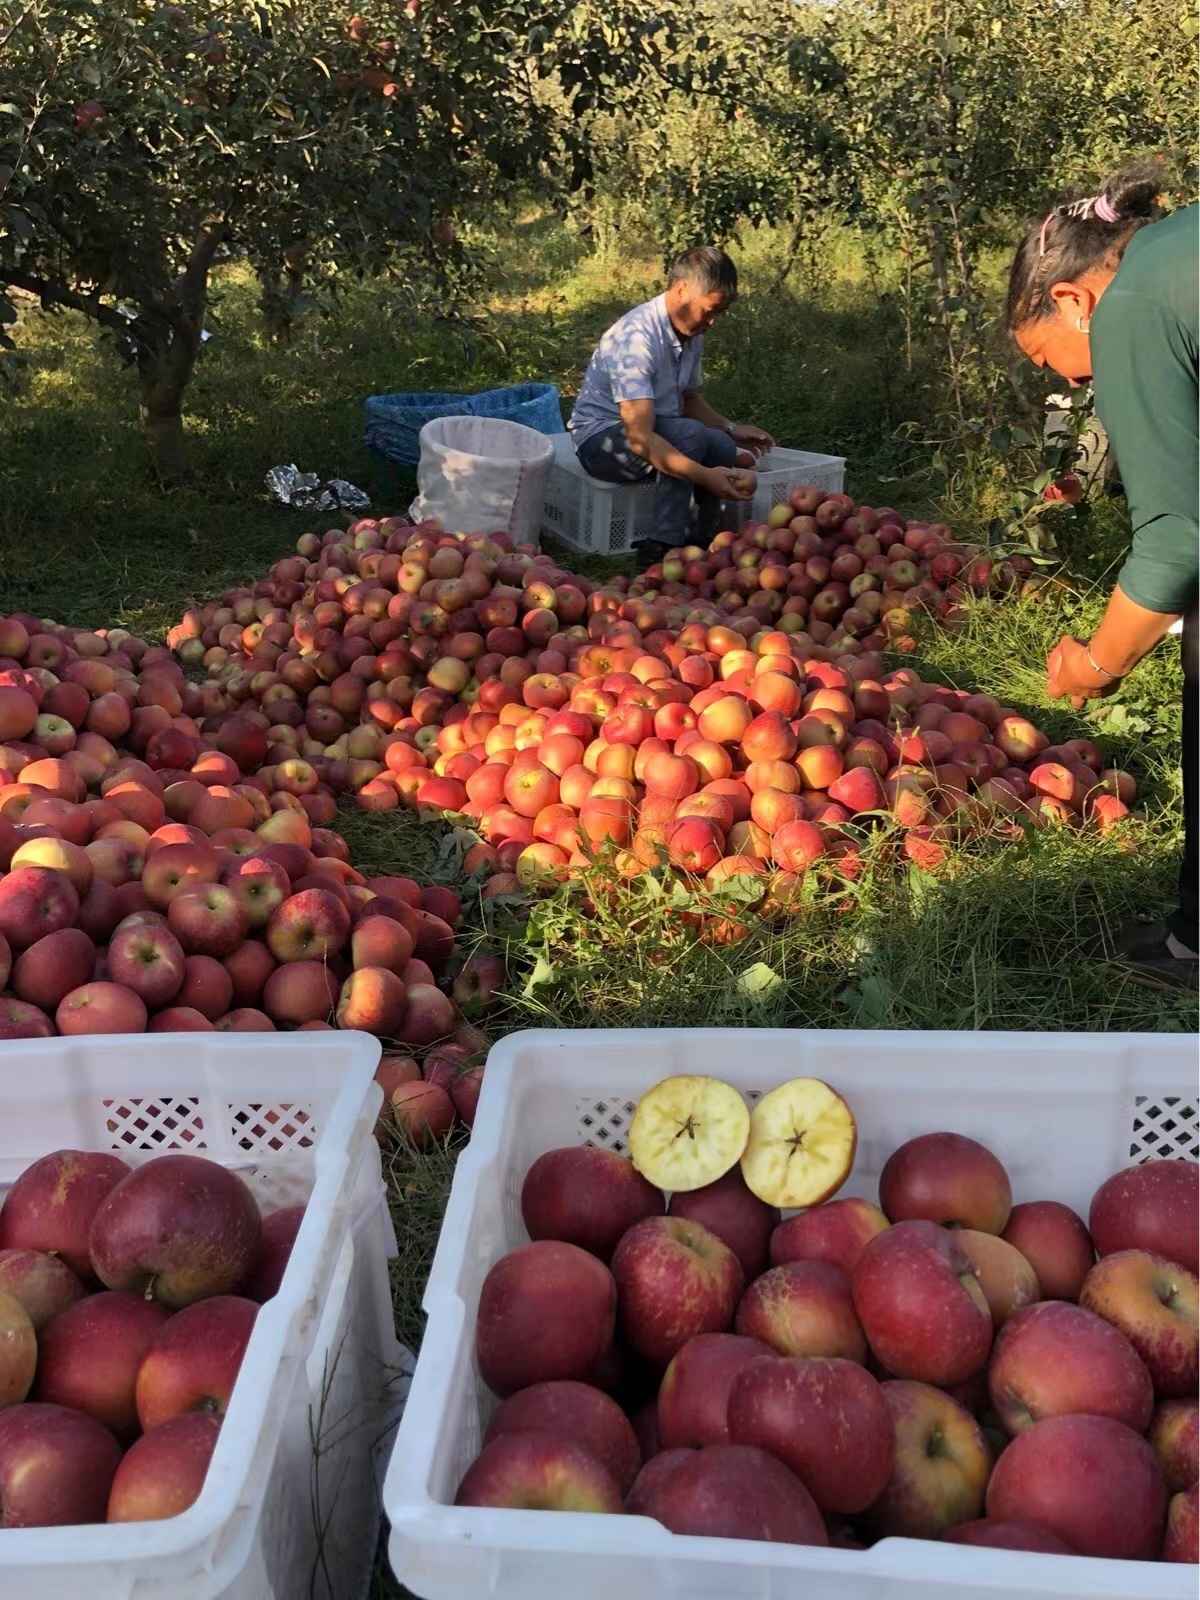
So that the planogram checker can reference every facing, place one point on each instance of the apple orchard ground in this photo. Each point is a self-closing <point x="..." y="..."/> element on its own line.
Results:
<point x="999" y="939"/>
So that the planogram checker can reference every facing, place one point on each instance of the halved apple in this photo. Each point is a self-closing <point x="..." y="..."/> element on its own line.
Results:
<point x="687" y="1132"/>
<point x="801" y="1146"/>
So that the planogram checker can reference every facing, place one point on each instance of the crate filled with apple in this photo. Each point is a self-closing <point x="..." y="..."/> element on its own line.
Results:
<point x="700" y="1330"/>
<point x="198" y="1361"/>
<point x="127" y="1299"/>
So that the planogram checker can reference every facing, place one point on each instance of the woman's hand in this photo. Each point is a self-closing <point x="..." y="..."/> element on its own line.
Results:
<point x="1069" y="673"/>
<point x="1127" y="633"/>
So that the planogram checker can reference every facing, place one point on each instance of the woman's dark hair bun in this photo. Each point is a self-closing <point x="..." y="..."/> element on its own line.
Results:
<point x="1133" y="192"/>
<point x="1076" y="236"/>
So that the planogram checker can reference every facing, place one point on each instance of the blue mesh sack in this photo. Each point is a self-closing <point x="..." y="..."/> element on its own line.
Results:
<point x="392" y="423"/>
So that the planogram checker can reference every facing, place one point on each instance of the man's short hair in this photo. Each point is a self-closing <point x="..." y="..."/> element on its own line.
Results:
<point x="706" y="269"/>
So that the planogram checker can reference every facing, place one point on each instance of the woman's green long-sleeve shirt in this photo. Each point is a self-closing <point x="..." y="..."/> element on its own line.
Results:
<point x="1144" y="344"/>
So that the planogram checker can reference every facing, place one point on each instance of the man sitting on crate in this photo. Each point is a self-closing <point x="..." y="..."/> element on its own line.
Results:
<point x="641" y="415"/>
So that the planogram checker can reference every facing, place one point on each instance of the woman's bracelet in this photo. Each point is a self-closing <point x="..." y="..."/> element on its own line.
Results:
<point x="1101" y="672"/>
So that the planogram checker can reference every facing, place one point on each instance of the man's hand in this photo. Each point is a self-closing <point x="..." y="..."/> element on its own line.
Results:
<point x="756" y="439"/>
<point x="1069" y="673"/>
<point x="730" y="483"/>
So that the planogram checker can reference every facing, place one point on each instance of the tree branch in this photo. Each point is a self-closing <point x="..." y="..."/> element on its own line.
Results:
<point x="193" y="284"/>
<point x="58" y="294"/>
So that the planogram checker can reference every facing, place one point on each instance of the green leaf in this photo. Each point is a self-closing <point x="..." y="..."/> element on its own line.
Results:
<point x="542" y="972"/>
<point x="759" y="982"/>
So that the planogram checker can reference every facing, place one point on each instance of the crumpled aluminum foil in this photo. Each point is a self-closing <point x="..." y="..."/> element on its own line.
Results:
<point x="304" y="491"/>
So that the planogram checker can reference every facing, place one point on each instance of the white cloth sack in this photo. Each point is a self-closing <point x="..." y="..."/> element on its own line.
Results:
<point x="482" y="474"/>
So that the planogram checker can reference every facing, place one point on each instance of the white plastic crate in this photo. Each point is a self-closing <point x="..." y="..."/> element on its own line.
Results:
<point x="609" y="518"/>
<point x="1062" y="1112"/>
<point x="605" y="518"/>
<point x="781" y="471"/>
<point x="290" y="1506"/>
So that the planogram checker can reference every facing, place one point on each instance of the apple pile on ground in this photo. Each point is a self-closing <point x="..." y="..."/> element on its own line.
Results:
<point x="942" y="1365"/>
<point x="128" y="1297"/>
<point x="151" y="877"/>
<point x="823" y="566"/>
<point x="477" y="682"/>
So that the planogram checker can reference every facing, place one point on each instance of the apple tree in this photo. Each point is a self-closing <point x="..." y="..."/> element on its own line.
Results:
<point x="142" y="144"/>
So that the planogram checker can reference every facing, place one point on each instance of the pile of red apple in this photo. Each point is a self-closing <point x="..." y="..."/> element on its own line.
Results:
<point x="167" y="852"/>
<point x="944" y="1365"/>
<point x="152" y="878"/>
<point x="823" y="566"/>
<point x="128" y="1297"/>
<point x="479" y="682"/>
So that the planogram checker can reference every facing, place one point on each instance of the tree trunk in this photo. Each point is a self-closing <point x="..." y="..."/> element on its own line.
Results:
<point x="161" y="413"/>
<point x="168" y="336"/>
<point x="278" y="297"/>
<point x="164" y="369"/>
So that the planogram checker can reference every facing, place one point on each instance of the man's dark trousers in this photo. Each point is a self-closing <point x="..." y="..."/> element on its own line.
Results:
<point x="607" y="456"/>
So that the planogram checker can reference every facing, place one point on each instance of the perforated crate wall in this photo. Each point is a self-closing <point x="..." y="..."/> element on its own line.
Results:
<point x="606" y="519"/>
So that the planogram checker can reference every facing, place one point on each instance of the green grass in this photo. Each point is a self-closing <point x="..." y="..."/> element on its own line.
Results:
<point x="1002" y="936"/>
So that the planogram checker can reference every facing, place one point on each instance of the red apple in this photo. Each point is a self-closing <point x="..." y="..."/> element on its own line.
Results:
<point x="803" y="1308"/>
<point x="1175" y="1435"/>
<point x="538" y="1472"/>
<point x="179" y="1229"/>
<point x="51" y="1205"/>
<point x="728" y="1491"/>
<point x="946" y="1178"/>
<point x="279" y="1232"/>
<point x="920" y="1304"/>
<point x="300" y="991"/>
<point x="693" y="1399"/>
<point x="1182" y="1541"/>
<point x="148" y="960"/>
<point x="1155" y="1303"/>
<point x="825" y="1420"/>
<point x="737" y="1217"/>
<point x="374" y="1000"/>
<point x="428" y="1016"/>
<point x="546" y="1311"/>
<point x="1154" y="1207"/>
<point x="43" y="1285"/>
<point x="988" y="1534"/>
<point x="100" y="1007"/>
<point x="1006" y="1278"/>
<point x="941" y="1466"/>
<point x="423" y="1113"/>
<point x="837" y="1232"/>
<point x="35" y="901"/>
<point x="1055" y="1243"/>
<point x="193" y="1363"/>
<point x="674" y="1280"/>
<point x="90" y="1354"/>
<point x="56" y="1467"/>
<point x="163" y="1472"/>
<point x="586" y="1196"/>
<point x="579" y="1414"/>
<point x="1092" y="1481"/>
<point x="310" y="926"/>
<point x="46" y="972"/>
<point x="1055" y="1359"/>
<point x="208" y="919"/>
